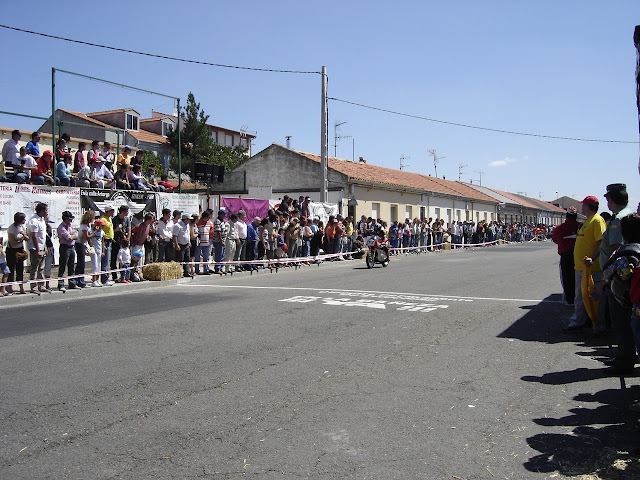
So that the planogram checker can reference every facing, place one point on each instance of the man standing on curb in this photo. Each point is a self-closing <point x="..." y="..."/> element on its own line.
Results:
<point x="624" y="360"/>
<point x="218" y="239"/>
<point x="565" y="236"/>
<point x="37" y="229"/>
<point x="585" y="254"/>
<point x="181" y="242"/>
<point x="121" y="231"/>
<point x="67" y="236"/>
<point x="165" y="234"/>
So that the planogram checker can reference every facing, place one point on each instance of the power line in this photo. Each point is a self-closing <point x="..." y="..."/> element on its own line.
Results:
<point x="155" y="55"/>
<point x="479" y="128"/>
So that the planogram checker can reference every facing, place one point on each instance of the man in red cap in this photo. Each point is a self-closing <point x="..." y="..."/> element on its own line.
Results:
<point x="565" y="236"/>
<point x="585" y="254"/>
<point x="42" y="174"/>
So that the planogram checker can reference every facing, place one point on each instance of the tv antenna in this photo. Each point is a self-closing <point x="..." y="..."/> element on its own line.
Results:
<point x="402" y="164"/>
<point x="436" y="159"/>
<point x="460" y="172"/>
<point x="480" y="172"/>
<point x="337" y="137"/>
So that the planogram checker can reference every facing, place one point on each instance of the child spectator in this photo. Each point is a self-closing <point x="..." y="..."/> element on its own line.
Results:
<point x="135" y="266"/>
<point x="164" y="182"/>
<point x="124" y="261"/>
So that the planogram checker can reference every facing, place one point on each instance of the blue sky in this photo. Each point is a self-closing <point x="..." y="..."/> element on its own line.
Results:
<point x="560" y="68"/>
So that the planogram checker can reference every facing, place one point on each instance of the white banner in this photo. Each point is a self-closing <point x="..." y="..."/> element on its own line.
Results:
<point x="187" y="202"/>
<point x="16" y="198"/>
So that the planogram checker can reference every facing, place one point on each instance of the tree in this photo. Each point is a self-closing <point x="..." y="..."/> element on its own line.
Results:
<point x="197" y="143"/>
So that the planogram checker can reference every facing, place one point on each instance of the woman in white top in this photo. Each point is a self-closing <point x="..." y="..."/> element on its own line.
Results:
<point x="17" y="234"/>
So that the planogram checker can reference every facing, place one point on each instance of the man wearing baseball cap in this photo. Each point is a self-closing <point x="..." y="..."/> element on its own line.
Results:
<point x="67" y="236"/>
<point x="565" y="236"/>
<point x="585" y="254"/>
<point x="105" y="261"/>
<point x="624" y="360"/>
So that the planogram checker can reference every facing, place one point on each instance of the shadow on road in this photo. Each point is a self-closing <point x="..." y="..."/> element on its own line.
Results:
<point x="606" y="452"/>
<point x="603" y="441"/>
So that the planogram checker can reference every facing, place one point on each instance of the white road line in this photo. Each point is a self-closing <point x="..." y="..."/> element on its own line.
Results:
<point x="309" y="289"/>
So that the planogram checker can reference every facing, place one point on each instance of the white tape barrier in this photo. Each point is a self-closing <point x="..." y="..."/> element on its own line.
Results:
<point x="268" y="263"/>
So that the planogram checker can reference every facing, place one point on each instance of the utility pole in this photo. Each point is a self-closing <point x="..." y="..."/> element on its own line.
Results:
<point x="324" y="140"/>
<point x="436" y="159"/>
<point x="480" y="172"/>
<point x="402" y="164"/>
<point x="460" y="172"/>
<point x="336" y="137"/>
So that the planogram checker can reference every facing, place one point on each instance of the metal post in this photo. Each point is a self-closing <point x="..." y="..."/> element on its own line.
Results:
<point x="324" y="139"/>
<point x="179" y="152"/>
<point x="53" y="107"/>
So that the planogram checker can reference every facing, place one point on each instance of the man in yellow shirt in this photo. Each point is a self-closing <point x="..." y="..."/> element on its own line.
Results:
<point x="586" y="253"/>
<point x="105" y="261"/>
<point x="124" y="157"/>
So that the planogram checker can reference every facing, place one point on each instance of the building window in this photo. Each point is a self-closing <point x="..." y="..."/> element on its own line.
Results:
<point x="375" y="210"/>
<point x="394" y="213"/>
<point x="132" y="122"/>
<point x="437" y="210"/>
<point x="409" y="212"/>
<point x="166" y="128"/>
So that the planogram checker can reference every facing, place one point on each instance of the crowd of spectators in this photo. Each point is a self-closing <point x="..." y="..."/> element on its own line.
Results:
<point x="97" y="167"/>
<point x="600" y="274"/>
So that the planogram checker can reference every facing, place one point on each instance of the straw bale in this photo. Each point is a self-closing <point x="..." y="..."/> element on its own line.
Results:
<point x="162" y="271"/>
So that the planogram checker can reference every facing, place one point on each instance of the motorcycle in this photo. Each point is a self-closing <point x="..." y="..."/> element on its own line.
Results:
<point x="378" y="251"/>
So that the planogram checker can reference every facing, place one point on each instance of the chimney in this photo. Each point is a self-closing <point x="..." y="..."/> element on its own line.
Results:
<point x="288" y="138"/>
<point x="362" y="160"/>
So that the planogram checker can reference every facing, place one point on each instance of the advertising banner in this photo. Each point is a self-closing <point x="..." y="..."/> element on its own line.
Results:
<point x="186" y="202"/>
<point x="139" y="202"/>
<point x="253" y="207"/>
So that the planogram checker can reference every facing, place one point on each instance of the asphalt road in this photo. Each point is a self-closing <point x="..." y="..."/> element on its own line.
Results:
<point x="440" y="366"/>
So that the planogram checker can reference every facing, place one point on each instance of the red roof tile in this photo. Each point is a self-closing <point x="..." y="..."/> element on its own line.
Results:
<point x="88" y="119"/>
<point x="145" y="136"/>
<point x="389" y="176"/>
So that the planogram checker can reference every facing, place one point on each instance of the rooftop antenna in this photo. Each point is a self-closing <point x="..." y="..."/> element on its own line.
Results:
<point x="436" y="159"/>
<point x="460" y="172"/>
<point x="402" y="164"/>
<point x="336" y="137"/>
<point x="480" y="172"/>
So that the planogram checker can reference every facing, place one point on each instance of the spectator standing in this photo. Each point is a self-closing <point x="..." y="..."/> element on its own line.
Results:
<point x="124" y="261"/>
<point x="232" y="241"/>
<point x="203" y="251"/>
<point x="84" y="239"/>
<point x="98" y="251"/>
<point x="585" y="253"/>
<point x="16" y="254"/>
<point x="181" y="243"/>
<point x="67" y="236"/>
<point x="121" y="231"/>
<point x="4" y="269"/>
<point x="193" y="234"/>
<point x="37" y="231"/>
<point x="620" y="312"/>
<point x="565" y="236"/>
<point x="165" y="236"/>
<point x="218" y="240"/>
<point x="107" y="240"/>
<point x="242" y="236"/>
<point x="139" y="235"/>
<point x="252" y="242"/>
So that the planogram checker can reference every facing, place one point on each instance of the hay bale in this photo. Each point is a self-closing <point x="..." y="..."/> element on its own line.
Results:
<point x="162" y="271"/>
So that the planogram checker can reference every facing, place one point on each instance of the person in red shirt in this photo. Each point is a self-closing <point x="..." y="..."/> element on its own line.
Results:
<point x="164" y="182"/>
<point x="565" y="236"/>
<point x="41" y="174"/>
